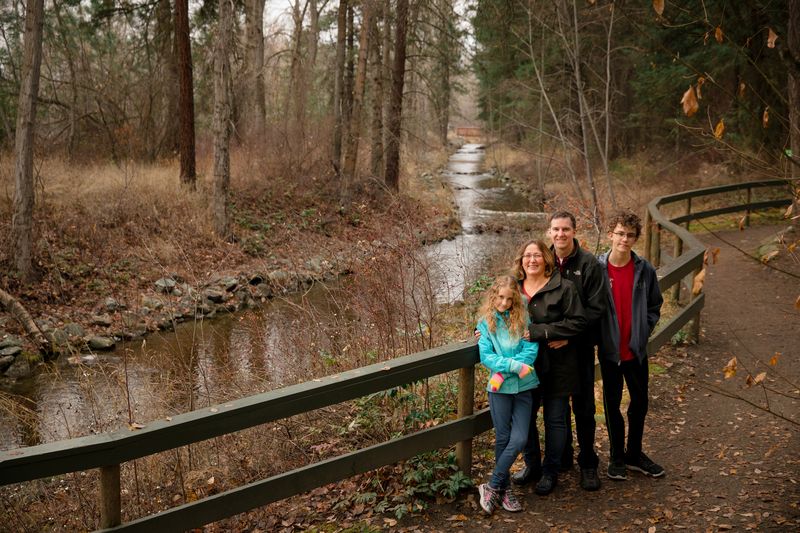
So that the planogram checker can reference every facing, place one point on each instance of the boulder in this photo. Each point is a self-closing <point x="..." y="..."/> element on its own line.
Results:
<point x="11" y="351"/>
<point x="152" y="303"/>
<point x="9" y="341"/>
<point x="74" y="330"/>
<point x="101" y="320"/>
<point x="111" y="305"/>
<point x="214" y="295"/>
<point x="165" y="285"/>
<point x="101" y="343"/>
<point x="5" y="362"/>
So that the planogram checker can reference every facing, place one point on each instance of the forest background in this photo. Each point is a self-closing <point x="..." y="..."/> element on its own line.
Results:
<point x="151" y="139"/>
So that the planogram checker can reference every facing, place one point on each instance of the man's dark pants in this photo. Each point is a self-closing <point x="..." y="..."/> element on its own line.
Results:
<point x="583" y="406"/>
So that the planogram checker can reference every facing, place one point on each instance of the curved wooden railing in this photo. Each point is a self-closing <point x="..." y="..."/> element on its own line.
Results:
<point x="688" y="252"/>
<point x="107" y="451"/>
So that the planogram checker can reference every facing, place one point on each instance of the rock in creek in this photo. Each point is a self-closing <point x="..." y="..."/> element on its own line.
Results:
<point x="101" y="343"/>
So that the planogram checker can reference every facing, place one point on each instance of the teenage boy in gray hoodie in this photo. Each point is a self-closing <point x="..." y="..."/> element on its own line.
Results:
<point x="634" y="308"/>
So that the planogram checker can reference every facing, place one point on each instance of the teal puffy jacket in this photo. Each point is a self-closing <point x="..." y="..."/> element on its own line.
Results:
<point x="500" y="353"/>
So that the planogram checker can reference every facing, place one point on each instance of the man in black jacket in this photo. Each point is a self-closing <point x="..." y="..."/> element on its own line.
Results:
<point x="582" y="268"/>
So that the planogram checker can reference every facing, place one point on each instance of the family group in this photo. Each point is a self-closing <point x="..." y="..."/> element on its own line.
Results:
<point x="537" y="334"/>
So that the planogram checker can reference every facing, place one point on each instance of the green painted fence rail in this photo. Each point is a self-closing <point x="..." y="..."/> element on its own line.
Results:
<point x="107" y="451"/>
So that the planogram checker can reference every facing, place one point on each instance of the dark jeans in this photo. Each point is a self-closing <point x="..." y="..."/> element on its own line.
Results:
<point x="635" y="376"/>
<point x="511" y="415"/>
<point x="584" y="408"/>
<point x="555" y="433"/>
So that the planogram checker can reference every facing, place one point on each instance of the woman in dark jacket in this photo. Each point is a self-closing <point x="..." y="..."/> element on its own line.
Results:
<point x="556" y="315"/>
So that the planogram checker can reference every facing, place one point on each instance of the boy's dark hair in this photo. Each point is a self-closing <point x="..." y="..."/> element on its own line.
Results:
<point x="628" y="219"/>
<point x="563" y="214"/>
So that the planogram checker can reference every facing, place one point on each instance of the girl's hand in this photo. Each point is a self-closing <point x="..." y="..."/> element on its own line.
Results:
<point x="525" y="370"/>
<point x="477" y="334"/>
<point x="555" y="345"/>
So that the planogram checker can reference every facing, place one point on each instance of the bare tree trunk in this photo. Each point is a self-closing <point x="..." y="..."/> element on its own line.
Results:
<point x="446" y="51"/>
<point x="222" y="120"/>
<point x="354" y="130"/>
<point x="183" y="49"/>
<point x="16" y="310"/>
<point x="73" y="84"/>
<point x="394" y="130"/>
<point x="297" y="86"/>
<point x="338" y="89"/>
<point x="793" y="44"/>
<point x="313" y="34"/>
<point x="376" y="145"/>
<point x="583" y="112"/>
<point x="168" y="82"/>
<point x="254" y="106"/>
<point x="22" y="218"/>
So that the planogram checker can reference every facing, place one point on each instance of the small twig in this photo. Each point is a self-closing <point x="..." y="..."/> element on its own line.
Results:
<point x="721" y="392"/>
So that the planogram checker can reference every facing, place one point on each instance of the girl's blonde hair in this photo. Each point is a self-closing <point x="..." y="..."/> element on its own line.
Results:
<point x="518" y="314"/>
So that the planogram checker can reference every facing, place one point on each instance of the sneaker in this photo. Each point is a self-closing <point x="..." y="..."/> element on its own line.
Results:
<point x="510" y="502"/>
<point x="546" y="484"/>
<point x="645" y="465"/>
<point x="589" y="479"/>
<point x="489" y="498"/>
<point x="616" y="470"/>
<point x="529" y="474"/>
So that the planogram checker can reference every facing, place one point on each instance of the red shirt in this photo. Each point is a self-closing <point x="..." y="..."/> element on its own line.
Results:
<point x="621" y="280"/>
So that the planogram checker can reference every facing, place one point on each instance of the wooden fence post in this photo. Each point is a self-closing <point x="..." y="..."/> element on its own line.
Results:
<point x="648" y="235"/>
<point x="466" y="401"/>
<point x="110" y="500"/>
<point x="677" y="250"/>
<point x="747" y="211"/>
<point x="656" y="240"/>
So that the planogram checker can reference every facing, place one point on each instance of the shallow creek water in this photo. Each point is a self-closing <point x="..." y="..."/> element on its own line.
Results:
<point x="202" y="363"/>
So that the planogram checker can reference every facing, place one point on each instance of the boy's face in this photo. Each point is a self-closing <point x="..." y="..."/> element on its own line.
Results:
<point x="622" y="239"/>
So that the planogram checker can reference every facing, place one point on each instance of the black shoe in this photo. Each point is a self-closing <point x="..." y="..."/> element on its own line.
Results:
<point x="527" y="475"/>
<point x="546" y="485"/>
<point x="616" y="470"/>
<point x="589" y="479"/>
<point x="644" y="465"/>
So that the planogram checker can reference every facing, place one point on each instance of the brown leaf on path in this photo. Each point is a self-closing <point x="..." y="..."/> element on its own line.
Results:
<point x="700" y="81"/>
<point x="730" y="368"/>
<point x="714" y="255"/>
<point x="742" y="88"/>
<point x="769" y="257"/>
<point x="135" y="425"/>
<point x="719" y="129"/>
<point x="771" y="38"/>
<point x="749" y="381"/>
<point x="741" y="223"/>
<point x="699" y="279"/>
<point x="789" y="210"/>
<point x="774" y="359"/>
<point x="759" y="378"/>
<point x="718" y="35"/>
<point x="765" y="118"/>
<point x="658" y="6"/>
<point x="689" y="102"/>
<point x="457" y="517"/>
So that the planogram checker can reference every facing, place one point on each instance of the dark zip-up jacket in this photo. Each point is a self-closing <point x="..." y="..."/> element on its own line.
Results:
<point x="583" y="270"/>
<point x="556" y="313"/>
<point x="647" y="302"/>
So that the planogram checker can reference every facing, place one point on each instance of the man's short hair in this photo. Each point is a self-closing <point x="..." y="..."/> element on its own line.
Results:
<point x="563" y="214"/>
<point x="629" y="219"/>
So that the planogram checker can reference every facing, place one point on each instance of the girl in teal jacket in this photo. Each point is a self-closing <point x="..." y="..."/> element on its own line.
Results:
<point x="510" y="359"/>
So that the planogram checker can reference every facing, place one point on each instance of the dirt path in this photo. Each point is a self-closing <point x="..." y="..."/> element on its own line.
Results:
<point x="730" y="466"/>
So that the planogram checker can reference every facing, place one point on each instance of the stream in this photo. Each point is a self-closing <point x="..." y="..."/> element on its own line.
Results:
<point x="85" y="394"/>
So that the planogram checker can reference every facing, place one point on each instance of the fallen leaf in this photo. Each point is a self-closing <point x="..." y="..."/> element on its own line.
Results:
<point x="700" y="81"/>
<point x="730" y="369"/>
<point x="774" y="359"/>
<point x="210" y="481"/>
<point x="742" y="222"/>
<point x="789" y="210"/>
<point x="699" y="279"/>
<point x="689" y="102"/>
<point x="658" y="6"/>
<point x="719" y="130"/>
<point x="391" y="522"/>
<point x="759" y="378"/>
<point x="742" y="87"/>
<point x="714" y="254"/>
<point x="651" y="529"/>
<point x="134" y="426"/>
<point x="797" y="303"/>
<point x="769" y="257"/>
<point x="765" y="118"/>
<point x="457" y="517"/>
<point x="771" y="38"/>
<point x="718" y="35"/>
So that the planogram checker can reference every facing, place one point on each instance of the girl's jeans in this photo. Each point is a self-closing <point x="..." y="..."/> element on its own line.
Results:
<point x="511" y="415"/>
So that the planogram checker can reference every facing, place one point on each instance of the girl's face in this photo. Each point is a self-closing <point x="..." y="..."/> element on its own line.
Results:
<point x="504" y="299"/>
<point x="533" y="261"/>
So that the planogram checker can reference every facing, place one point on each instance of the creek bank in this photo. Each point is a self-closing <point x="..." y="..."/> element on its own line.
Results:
<point x="162" y="304"/>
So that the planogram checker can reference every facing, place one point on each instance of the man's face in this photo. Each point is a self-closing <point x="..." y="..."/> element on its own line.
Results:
<point x="622" y="239"/>
<point x="562" y="233"/>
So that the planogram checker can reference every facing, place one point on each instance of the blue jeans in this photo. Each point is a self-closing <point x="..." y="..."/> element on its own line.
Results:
<point x="511" y="415"/>
<point x="555" y="433"/>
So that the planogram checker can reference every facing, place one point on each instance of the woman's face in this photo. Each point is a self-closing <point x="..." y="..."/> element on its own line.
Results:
<point x="533" y="261"/>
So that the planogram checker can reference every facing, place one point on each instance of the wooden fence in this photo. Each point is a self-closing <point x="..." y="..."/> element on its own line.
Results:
<point x="107" y="451"/>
